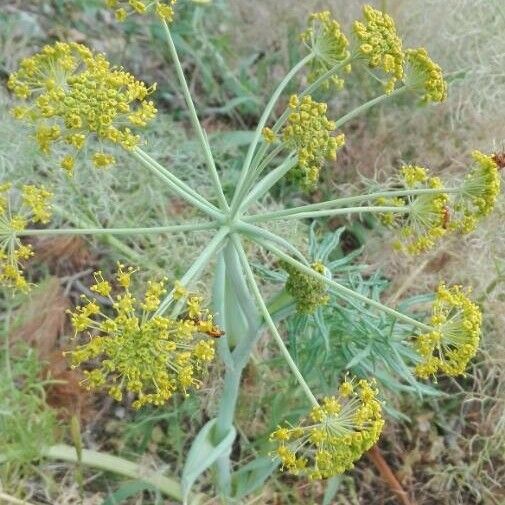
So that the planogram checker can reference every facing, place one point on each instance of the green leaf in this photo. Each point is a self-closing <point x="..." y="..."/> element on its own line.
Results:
<point x="126" y="491"/>
<point x="203" y="453"/>
<point x="251" y="476"/>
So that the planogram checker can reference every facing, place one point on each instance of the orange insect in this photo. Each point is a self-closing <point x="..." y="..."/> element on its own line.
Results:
<point x="499" y="159"/>
<point x="216" y="332"/>
<point x="446" y="217"/>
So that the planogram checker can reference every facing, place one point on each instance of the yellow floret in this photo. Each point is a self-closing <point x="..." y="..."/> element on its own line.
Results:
<point x="75" y="95"/>
<point x="455" y="336"/>
<point x="380" y="45"/>
<point x="325" y="39"/>
<point x="308" y="132"/>
<point x="335" y="434"/>
<point x="151" y="356"/>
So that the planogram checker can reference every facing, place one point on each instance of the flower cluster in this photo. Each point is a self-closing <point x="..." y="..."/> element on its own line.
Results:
<point x="454" y="340"/>
<point x="478" y="195"/>
<point x="308" y="292"/>
<point x="380" y="44"/>
<point x="33" y="206"/>
<point x="425" y="219"/>
<point x="123" y="8"/>
<point x="72" y="95"/>
<point x="149" y="355"/>
<point x="336" y="434"/>
<point x="426" y="75"/>
<point x="308" y="132"/>
<point x="329" y="45"/>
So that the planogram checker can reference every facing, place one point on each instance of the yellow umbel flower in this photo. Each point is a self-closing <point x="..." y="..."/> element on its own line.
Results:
<point x="425" y="75"/>
<point x="309" y="293"/>
<point x="72" y="95"/>
<point x="335" y="435"/>
<point x="425" y="219"/>
<point x="380" y="45"/>
<point x="454" y="340"/>
<point x="329" y="45"/>
<point x="149" y="355"/>
<point x="123" y="8"/>
<point x="478" y="195"/>
<point x="32" y="205"/>
<point x="308" y="132"/>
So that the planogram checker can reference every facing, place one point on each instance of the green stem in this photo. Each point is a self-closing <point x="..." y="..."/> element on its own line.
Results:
<point x="113" y="241"/>
<point x="346" y="210"/>
<point x="251" y="230"/>
<point x="120" y="466"/>
<point x="368" y="105"/>
<point x="256" y="171"/>
<point x="270" y="322"/>
<point x="343" y="291"/>
<point x="268" y="182"/>
<point x="196" y="267"/>
<point x="202" y="137"/>
<point x="179" y="187"/>
<point x="119" y="231"/>
<point x="339" y="202"/>
<point x="262" y="123"/>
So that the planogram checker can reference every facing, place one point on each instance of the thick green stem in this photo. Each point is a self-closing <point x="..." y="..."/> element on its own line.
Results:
<point x="229" y="275"/>
<point x="270" y="322"/>
<point x="197" y="266"/>
<point x="343" y="291"/>
<point x="176" y="228"/>
<point x="202" y="137"/>
<point x="237" y="197"/>
<point x="179" y="187"/>
<point x="339" y="202"/>
<point x="120" y="466"/>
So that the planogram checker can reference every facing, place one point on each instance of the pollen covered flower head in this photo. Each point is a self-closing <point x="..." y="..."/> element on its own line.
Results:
<point x="123" y="8"/>
<point x="479" y="192"/>
<point x="380" y="45"/>
<point x="425" y="75"/>
<point x="335" y="434"/>
<point x="17" y="209"/>
<point x="454" y="340"/>
<point x="138" y="351"/>
<point x="73" y="95"/>
<point x="308" y="132"/>
<point x="325" y="39"/>
<point x="308" y="292"/>
<point x="424" y="220"/>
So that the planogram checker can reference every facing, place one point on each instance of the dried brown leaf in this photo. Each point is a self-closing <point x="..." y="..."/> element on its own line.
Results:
<point x="41" y="319"/>
<point x="66" y="251"/>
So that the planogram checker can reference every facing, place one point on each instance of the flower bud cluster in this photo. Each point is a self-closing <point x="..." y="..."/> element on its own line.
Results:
<point x="72" y="95"/>
<point x="479" y="192"/>
<point x="335" y="435"/>
<point x="137" y="351"/>
<point x="308" y="132"/>
<point x="329" y="45"/>
<point x="454" y="340"/>
<point x="308" y="292"/>
<point x="424" y="220"/>
<point x="33" y="205"/>
<point x="380" y="44"/>
<point x="123" y="8"/>
<point x="425" y="74"/>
